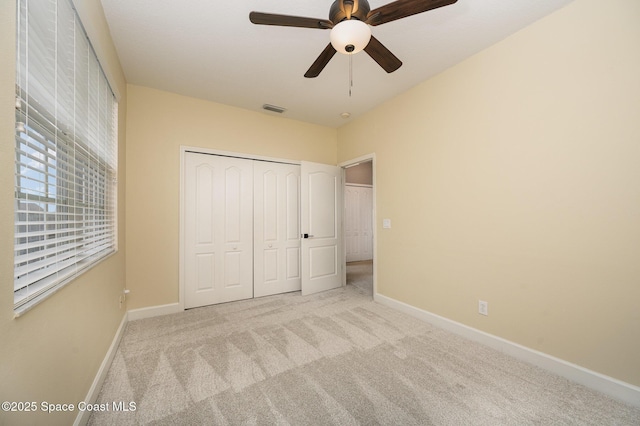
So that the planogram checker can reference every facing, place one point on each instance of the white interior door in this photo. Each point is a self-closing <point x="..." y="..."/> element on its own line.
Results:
<point x="276" y="228"/>
<point x="358" y="222"/>
<point x="321" y="223"/>
<point x="218" y="229"/>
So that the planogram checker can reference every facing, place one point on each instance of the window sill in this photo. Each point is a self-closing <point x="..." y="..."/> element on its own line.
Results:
<point x="20" y="311"/>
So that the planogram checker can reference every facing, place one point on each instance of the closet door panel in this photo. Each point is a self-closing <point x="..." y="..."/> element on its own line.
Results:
<point x="366" y="223"/>
<point x="270" y="273"/>
<point x="293" y="263"/>
<point x="203" y="204"/>
<point x="276" y="228"/>
<point x="351" y="223"/>
<point x="218" y="228"/>
<point x="358" y="223"/>
<point x="293" y="206"/>
<point x="206" y="271"/>
<point x="270" y="205"/>
<point x="232" y="202"/>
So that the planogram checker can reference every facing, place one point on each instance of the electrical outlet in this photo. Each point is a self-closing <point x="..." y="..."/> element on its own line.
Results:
<point x="483" y="307"/>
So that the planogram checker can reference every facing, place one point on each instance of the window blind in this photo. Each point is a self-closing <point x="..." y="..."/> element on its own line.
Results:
<point x="66" y="152"/>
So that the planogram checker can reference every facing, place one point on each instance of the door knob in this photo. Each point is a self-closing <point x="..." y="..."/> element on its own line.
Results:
<point x="307" y="236"/>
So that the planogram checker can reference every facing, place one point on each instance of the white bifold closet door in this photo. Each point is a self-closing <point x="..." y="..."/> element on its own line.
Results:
<point x="243" y="220"/>
<point x="218" y="229"/>
<point x="276" y="228"/>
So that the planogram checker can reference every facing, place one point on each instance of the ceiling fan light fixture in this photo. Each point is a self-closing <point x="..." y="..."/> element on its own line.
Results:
<point x="350" y="36"/>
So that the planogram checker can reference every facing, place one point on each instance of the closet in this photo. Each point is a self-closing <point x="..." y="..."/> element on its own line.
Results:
<point x="241" y="230"/>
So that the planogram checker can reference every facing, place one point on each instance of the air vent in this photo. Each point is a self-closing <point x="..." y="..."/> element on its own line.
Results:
<point x="274" y="108"/>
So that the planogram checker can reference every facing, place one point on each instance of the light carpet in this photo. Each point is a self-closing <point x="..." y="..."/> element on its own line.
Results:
<point x="360" y="274"/>
<point x="335" y="358"/>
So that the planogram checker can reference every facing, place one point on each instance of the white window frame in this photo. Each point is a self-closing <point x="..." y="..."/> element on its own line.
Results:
<point x="66" y="153"/>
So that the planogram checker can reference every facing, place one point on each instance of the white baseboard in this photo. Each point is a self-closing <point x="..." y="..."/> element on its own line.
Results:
<point x="154" y="311"/>
<point x="83" y="416"/>
<point x="614" y="388"/>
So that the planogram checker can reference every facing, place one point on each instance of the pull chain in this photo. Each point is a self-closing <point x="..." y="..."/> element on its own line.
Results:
<point x="350" y="73"/>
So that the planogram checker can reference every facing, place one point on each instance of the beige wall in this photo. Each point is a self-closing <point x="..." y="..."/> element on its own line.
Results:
<point x="528" y="162"/>
<point x="158" y="124"/>
<point x="527" y="156"/>
<point x="53" y="352"/>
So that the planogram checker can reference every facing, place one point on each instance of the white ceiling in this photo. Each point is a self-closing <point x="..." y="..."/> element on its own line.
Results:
<point x="208" y="49"/>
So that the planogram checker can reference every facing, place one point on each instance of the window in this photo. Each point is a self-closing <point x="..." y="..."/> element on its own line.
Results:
<point x="66" y="152"/>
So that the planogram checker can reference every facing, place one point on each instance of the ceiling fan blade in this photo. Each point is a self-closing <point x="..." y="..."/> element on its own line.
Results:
<point x="383" y="56"/>
<point x="403" y="8"/>
<point x="322" y="61"/>
<point x="289" y="21"/>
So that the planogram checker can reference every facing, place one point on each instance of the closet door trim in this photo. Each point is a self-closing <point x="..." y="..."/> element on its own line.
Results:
<point x="196" y="150"/>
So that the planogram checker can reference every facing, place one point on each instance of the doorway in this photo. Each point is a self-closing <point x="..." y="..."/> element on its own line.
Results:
<point x="359" y="224"/>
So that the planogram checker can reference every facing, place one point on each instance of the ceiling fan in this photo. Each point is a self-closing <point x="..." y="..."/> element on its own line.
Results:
<point x="349" y="22"/>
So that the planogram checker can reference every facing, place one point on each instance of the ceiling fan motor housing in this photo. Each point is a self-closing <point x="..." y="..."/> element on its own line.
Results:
<point x="337" y="12"/>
